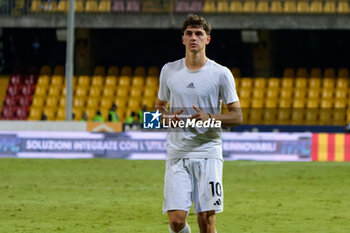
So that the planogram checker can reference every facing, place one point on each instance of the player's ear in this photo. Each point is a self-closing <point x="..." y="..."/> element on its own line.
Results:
<point x="183" y="40"/>
<point x="208" y="40"/>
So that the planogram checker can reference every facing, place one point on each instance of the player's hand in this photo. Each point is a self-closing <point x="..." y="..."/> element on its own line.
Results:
<point x="200" y="115"/>
<point x="174" y="117"/>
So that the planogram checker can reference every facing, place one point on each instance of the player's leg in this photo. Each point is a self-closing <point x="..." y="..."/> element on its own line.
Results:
<point x="206" y="221"/>
<point x="208" y="198"/>
<point x="177" y="221"/>
<point x="177" y="194"/>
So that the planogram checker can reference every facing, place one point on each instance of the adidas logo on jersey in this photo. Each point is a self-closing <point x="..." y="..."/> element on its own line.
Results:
<point x="218" y="202"/>
<point x="191" y="85"/>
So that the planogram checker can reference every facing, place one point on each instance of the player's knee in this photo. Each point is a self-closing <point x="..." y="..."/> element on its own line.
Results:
<point x="207" y="218"/>
<point x="177" y="223"/>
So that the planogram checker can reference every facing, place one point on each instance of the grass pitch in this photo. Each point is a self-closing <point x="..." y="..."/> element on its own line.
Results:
<point x="101" y="195"/>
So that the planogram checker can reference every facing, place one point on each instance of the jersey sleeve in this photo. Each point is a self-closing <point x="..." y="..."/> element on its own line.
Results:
<point x="163" y="93"/>
<point x="228" y="91"/>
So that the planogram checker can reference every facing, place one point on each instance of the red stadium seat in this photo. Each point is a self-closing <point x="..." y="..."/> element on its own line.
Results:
<point x="13" y="90"/>
<point x="8" y="112"/>
<point x="25" y="101"/>
<point x="30" y="79"/>
<point x="16" y="79"/>
<point x="22" y="113"/>
<point x="133" y="6"/>
<point x="27" y="90"/>
<point x="11" y="100"/>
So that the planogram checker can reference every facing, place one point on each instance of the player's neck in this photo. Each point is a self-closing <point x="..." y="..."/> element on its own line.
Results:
<point x="195" y="61"/>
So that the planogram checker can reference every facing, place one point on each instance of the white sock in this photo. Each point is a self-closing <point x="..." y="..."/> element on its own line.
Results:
<point x="186" y="229"/>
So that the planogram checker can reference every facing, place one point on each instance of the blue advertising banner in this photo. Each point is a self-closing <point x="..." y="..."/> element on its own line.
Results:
<point x="149" y="145"/>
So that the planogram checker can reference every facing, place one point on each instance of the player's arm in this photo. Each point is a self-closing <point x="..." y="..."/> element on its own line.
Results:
<point x="233" y="117"/>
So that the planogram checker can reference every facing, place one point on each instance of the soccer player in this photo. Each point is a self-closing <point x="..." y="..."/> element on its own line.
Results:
<point x="195" y="86"/>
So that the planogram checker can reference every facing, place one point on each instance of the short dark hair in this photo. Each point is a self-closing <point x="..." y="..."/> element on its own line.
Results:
<point x="196" y="21"/>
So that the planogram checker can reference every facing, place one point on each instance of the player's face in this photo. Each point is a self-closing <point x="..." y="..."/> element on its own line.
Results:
<point x="195" y="39"/>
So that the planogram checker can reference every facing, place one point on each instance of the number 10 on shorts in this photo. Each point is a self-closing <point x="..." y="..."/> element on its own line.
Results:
<point x="215" y="188"/>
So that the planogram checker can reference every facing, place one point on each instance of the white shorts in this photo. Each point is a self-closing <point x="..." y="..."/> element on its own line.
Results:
<point x="197" y="181"/>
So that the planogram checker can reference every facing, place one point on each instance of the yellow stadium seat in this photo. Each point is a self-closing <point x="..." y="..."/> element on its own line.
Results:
<point x="258" y="93"/>
<point x="36" y="6"/>
<point x="150" y="92"/>
<point x="44" y="80"/>
<point x="297" y="116"/>
<point x="236" y="7"/>
<point x="121" y="102"/>
<point x="298" y="103"/>
<point x="329" y="7"/>
<point x="302" y="73"/>
<point x="81" y="91"/>
<point x="62" y="6"/>
<point x="271" y="103"/>
<point x="45" y="70"/>
<point x="222" y="6"/>
<point x="260" y="82"/>
<point x="287" y="82"/>
<point x="97" y="80"/>
<point x="93" y="102"/>
<point x="126" y="71"/>
<point x="108" y="92"/>
<point x="38" y="102"/>
<point x="50" y="6"/>
<point x="272" y="93"/>
<point x="249" y="6"/>
<point x="300" y="83"/>
<point x="209" y="6"/>
<point x="149" y="102"/>
<point x="343" y="73"/>
<point x="245" y="92"/>
<point x="341" y="93"/>
<point x="285" y="103"/>
<point x="95" y="91"/>
<point x="325" y="116"/>
<point x="273" y="83"/>
<point x="290" y="7"/>
<point x="286" y="93"/>
<point x="113" y="71"/>
<point x="152" y="81"/>
<point x="329" y="73"/>
<point x="62" y="102"/>
<point x="57" y="80"/>
<point x="111" y="81"/>
<point x="50" y="113"/>
<point x="316" y="73"/>
<point x="90" y="113"/>
<point x="313" y="93"/>
<point x="83" y="80"/>
<point x="342" y="83"/>
<point x="40" y="90"/>
<point x="343" y="7"/>
<point x="245" y="102"/>
<point x="99" y="70"/>
<point x="135" y="92"/>
<point x="124" y="81"/>
<point x="237" y="82"/>
<point x="104" y="6"/>
<point x="276" y="7"/>
<point x="339" y="116"/>
<point x="79" y="101"/>
<point x="303" y="7"/>
<point x="283" y="116"/>
<point x="106" y="103"/>
<point x="328" y="83"/>
<point x="35" y="113"/>
<point x="246" y="82"/>
<point x="315" y="83"/>
<point x="153" y="71"/>
<point x="134" y="103"/>
<point x="140" y="71"/>
<point x="312" y="103"/>
<point x="91" y="6"/>
<point x="59" y="70"/>
<point x="61" y="114"/>
<point x="270" y="116"/>
<point x="262" y="7"/>
<point x="78" y="112"/>
<point x="52" y="101"/>
<point x="327" y="93"/>
<point x="300" y="93"/>
<point x="288" y="73"/>
<point x="104" y="113"/>
<point x="340" y="103"/>
<point x="137" y="81"/>
<point x="122" y="91"/>
<point x="79" y="6"/>
<point x="55" y="91"/>
<point x="326" y="103"/>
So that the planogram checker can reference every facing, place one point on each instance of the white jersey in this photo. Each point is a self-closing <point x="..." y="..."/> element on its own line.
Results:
<point x="206" y="89"/>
